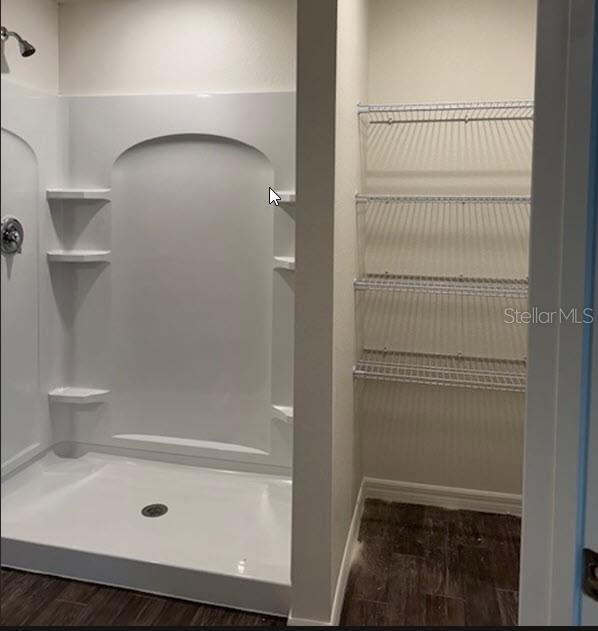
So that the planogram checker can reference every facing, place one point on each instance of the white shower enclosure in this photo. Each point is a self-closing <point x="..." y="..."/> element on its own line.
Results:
<point x="147" y="342"/>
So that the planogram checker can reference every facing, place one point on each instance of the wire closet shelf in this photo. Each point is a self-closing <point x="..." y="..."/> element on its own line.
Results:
<point x="458" y="286"/>
<point x="433" y="368"/>
<point x="469" y="112"/>
<point x="442" y="370"/>
<point x="519" y="200"/>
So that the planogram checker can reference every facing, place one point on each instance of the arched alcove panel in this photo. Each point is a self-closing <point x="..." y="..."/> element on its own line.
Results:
<point x="191" y="296"/>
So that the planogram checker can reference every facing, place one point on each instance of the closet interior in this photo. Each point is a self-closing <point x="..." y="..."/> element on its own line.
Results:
<point x="443" y="213"/>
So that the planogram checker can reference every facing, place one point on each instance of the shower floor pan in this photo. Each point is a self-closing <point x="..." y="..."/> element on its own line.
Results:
<point x="225" y="538"/>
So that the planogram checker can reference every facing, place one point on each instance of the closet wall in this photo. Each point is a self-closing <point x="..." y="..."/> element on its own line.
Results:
<point x="332" y="78"/>
<point x="451" y="50"/>
<point x="431" y="51"/>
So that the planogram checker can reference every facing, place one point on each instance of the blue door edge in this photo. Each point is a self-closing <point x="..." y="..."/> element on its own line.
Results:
<point x="588" y="337"/>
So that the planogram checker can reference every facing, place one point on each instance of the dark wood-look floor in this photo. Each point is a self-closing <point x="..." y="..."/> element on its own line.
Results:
<point x="420" y="565"/>
<point x="416" y="566"/>
<point x="35" y="600"/>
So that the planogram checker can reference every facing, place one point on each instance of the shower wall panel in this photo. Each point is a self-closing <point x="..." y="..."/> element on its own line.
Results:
<point x="33" y="333"/>
<point x="179" y="325"/>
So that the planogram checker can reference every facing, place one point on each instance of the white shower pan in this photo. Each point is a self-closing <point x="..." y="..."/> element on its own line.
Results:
<point x="225" y="538"/>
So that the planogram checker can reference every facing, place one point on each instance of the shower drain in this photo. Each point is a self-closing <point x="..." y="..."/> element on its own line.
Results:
<point x="154" y="510"/>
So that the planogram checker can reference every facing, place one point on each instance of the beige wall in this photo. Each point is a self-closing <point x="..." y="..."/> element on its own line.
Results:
<point x="156" y="46"/>
<point x="37" y="22"/>
<point x="314" y="214"/>
<point x="332" y="78"/>
<point x="351" y="88"/>
<point x="451" y="50"/>
<point x="447" y="50"/>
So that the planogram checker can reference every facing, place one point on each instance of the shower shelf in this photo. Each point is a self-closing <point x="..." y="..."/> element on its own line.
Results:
<point x="77" y="395"/>
<point x="493" y="287"/>
<point x="79" y="256"/>
<point x="284" y="262"/>
<point x="287" y="197"/>
<point x="444" y="199"/>
<point x="466" y="112"/>
<point x="91" y="194"/>
<point x="283" y="412"/>
<point x="442" y="370"/>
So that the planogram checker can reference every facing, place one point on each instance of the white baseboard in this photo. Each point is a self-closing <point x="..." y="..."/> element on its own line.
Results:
<point x="306" y="622"/>
<point x="347" y="560"/>
<point x="343" y="573"/>
<point x="442" y="496"/>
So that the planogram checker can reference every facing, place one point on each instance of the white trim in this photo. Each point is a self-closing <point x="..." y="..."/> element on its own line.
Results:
<point x="343" y="574"/>
<point x="442" y="496"/>
<point x="548" y="593"/>
<point x="306" y="622"/>
<point x="347" y="560"/>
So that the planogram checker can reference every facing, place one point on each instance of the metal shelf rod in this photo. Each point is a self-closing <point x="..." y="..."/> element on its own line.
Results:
<point x="456" y="285"/>
<point x="457" y="106"/>
<point x="444" y="199"/>
<point x="481" y="119"/>
<point x="445" y="370"/>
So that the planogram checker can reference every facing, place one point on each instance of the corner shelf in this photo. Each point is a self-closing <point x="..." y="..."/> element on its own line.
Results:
<point x="284" y="262"/>
<point x="91" y="194"/>
<point x="492" y="287"/>
<point x="283" y="412"/>
<point x="287" y="197"/>
<point x="442" y="370"/>
<point x="78" y="396"/>
<point x="79" y="256"/>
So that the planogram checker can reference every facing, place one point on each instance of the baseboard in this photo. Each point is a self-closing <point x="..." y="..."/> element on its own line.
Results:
<point x="347" y="560"/>
<point x="442" y="496"/>
<point x="343" y="573"/>
<point x="306" y="622"/>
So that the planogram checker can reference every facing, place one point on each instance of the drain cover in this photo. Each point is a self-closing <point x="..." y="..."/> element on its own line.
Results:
<point x="154" y="510"/>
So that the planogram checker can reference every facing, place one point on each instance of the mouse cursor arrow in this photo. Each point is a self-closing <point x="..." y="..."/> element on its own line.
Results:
<point x="273" y="196"/>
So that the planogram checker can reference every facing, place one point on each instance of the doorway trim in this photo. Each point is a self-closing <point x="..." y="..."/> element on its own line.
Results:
<point x="554" y="419"/>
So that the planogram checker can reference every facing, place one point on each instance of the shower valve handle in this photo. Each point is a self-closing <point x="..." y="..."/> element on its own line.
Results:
<point x="12" y="235"/>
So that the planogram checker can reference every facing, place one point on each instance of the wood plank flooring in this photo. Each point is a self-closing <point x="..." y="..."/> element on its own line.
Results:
<point x="421" y="565"/>
<point x="416" y="566"/>
<point x="35" y="600"/>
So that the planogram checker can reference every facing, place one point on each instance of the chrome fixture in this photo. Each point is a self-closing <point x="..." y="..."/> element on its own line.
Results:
<point x="11" y="235"/>
<point x="26" y="48"/>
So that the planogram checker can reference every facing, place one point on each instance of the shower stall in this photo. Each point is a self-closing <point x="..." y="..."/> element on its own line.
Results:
<point x="147" y="330"/>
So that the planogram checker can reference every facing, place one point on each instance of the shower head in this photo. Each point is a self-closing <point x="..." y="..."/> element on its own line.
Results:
<point x="26" y="48"/>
